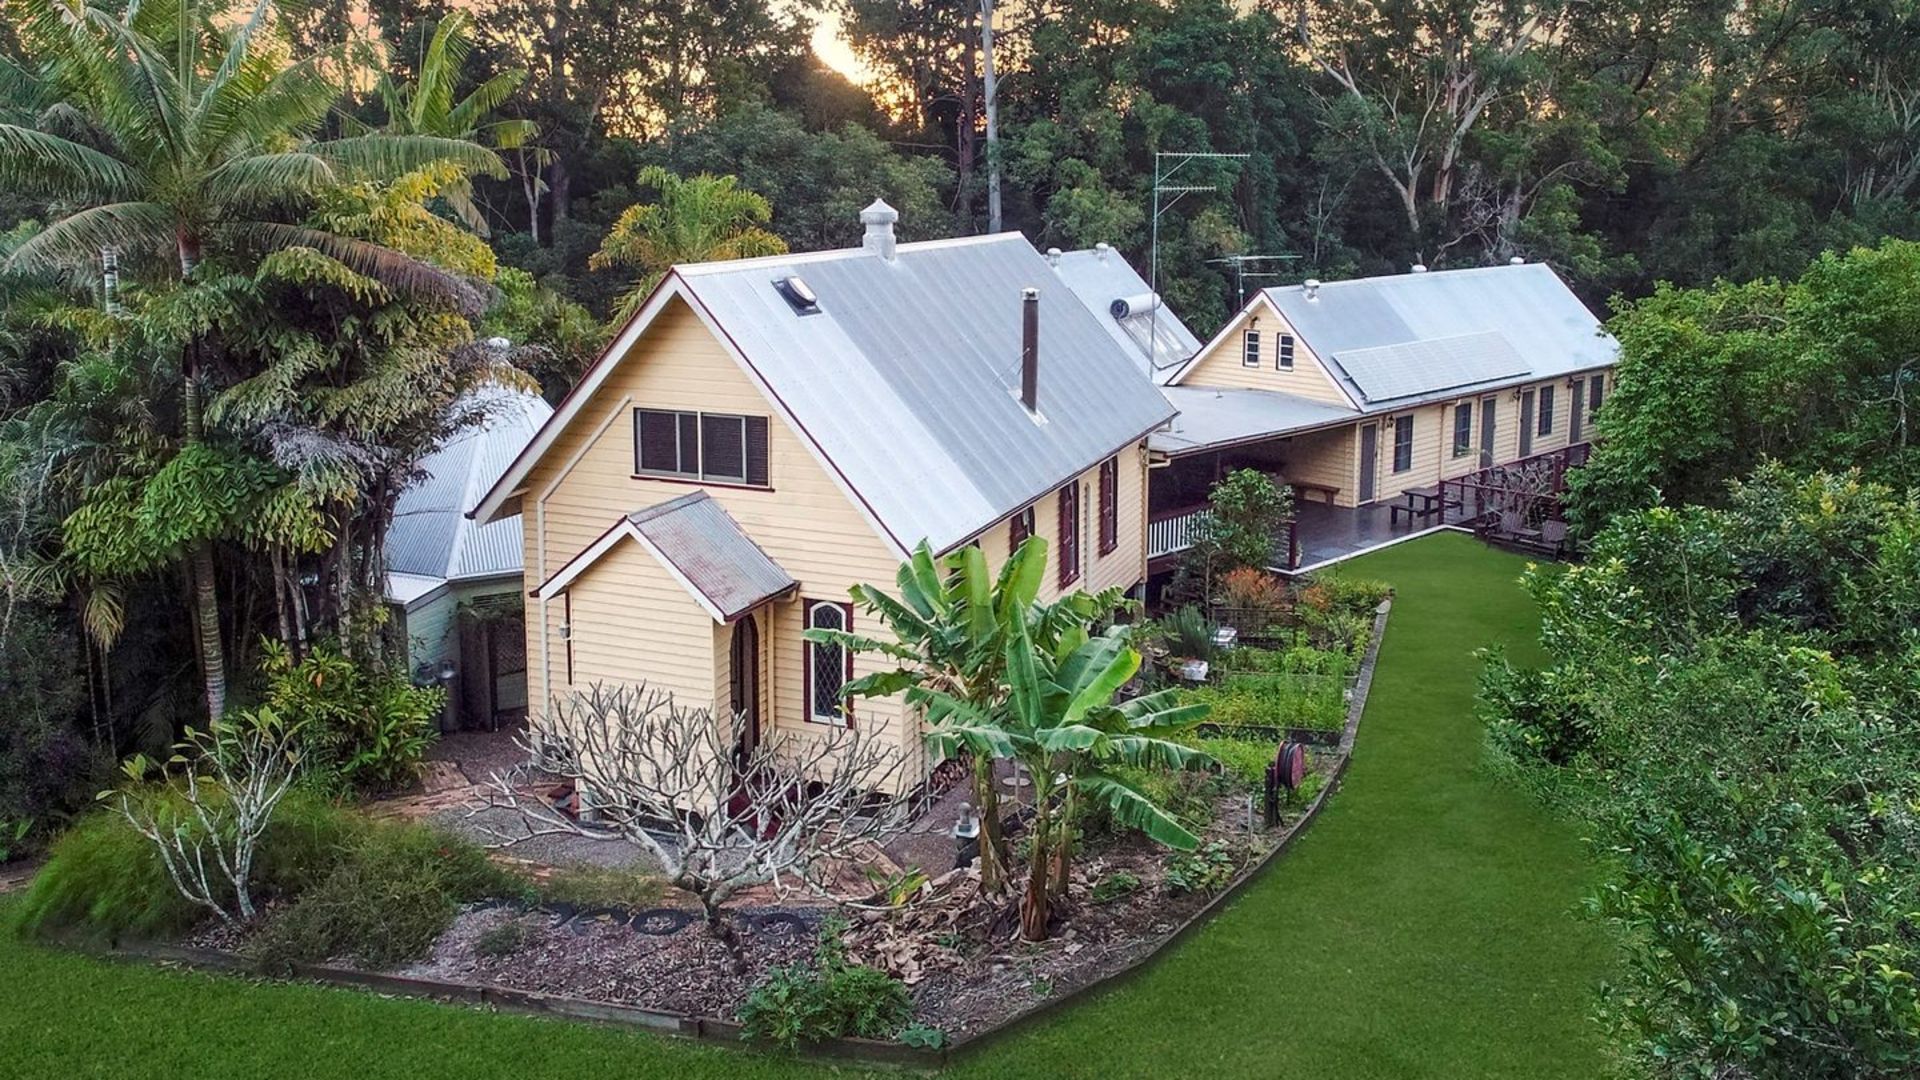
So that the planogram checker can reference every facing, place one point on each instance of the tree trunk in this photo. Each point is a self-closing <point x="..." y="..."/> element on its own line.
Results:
<point x="993" y="844"/>
<point x="1063" y="848"/>
<point x="725" y="933"/>
<point x="206" y="614"/>
<point x="1034" y="909"/>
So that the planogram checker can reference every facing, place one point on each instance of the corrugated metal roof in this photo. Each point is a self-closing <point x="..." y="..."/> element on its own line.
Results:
<point x="430" y="536"/>
<point x="707" y="550"/>
<point x="907" y="377"/>
<point x="1212" y="417"/>
<point x="1394" y="372"/>
<point x="1542" y="321"/>
<point x="1100" y="276"/>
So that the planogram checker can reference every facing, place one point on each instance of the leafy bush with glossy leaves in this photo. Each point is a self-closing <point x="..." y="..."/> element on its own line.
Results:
<point x="367" y="731"/>
<point x="829" y="999"/>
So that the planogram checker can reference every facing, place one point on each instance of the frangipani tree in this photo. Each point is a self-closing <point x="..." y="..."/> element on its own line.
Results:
<point x="1062" y="721"/>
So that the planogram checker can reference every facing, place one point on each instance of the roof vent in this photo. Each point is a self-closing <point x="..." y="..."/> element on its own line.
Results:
<point x="1312" y="287"/>
<point x="1053" y="256"/>
<point x="795" y="292"/>
<point x="1515" y="261"/>
<point x="1419" y="268"/>
<point x="879" y="219"/>
<point x="1100" y="251"/>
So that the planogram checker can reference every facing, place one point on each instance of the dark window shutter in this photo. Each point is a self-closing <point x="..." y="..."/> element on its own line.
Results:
<point x="1069" y="534"/>
<point x="1109" y="505"/>
<point x="1019" y="529"/>
<point x="757" y="451"/>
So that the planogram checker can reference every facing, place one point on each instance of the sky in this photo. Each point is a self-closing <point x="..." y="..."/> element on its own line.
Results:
<point x="830" y="47"/>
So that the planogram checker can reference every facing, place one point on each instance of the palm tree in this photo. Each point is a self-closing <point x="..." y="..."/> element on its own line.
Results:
<point x="702" y="219"/>
<point x="426" y="107"/>
<point x="176" y="128"/>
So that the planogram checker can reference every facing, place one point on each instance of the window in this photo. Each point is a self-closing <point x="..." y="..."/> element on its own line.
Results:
<point x="1546" y="410"/>
<point x="1402" y="443"/>
<point x="1070" y="534"/>
<point x="1596" y="389"/>
<point x="829" y="667"/>
<point x="1019" y="529"/>
<point x="1462" y="430"/>
<point x="715" y="447"/>
<point x="1284" y="360"/>
<point x="1250" y="348"/>
<point x="1109" y="505"/>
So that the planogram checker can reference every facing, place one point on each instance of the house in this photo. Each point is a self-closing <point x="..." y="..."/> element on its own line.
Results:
<point x="766" y="433"/>
<point x="1426" y="392"/>
<point x="1135" y="316"/>
<point x="453" y="585"/>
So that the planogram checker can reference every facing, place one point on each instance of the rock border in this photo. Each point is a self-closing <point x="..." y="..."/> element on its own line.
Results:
<point x="870" y="1051"/>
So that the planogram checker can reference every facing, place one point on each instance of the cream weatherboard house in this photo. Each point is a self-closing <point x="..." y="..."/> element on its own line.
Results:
<point x="766" y="433"/>
<point x="1403" y="391"/>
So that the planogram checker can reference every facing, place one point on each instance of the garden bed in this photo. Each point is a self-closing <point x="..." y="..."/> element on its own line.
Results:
<point x="968" y="974"/>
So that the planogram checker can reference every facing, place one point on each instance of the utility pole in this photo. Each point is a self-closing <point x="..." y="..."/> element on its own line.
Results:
<point x="1161" y="174"/>
<point x="993" y="117"/>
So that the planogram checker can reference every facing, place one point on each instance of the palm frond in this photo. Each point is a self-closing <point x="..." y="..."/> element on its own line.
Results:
<point x="399" y="272"/>
<point x="42" y="163"/>
<point x="382" y="156"/>
<point x="488" y="96"/>
<point x="78" y="238"/>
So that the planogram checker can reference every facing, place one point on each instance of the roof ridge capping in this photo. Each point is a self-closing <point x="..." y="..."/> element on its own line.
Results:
<point x="802" y="258"/>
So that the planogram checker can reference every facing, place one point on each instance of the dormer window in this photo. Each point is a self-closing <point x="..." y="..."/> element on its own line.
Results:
<point x="796" y="292"/>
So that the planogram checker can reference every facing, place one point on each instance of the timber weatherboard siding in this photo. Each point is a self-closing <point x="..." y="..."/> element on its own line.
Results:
<point x="630" y="620"/>
<point x="1222" y="364"/>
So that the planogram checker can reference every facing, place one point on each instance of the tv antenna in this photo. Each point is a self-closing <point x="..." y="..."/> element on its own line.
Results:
<point x="1165" y="165"/>
<point x="1241" y="273"/>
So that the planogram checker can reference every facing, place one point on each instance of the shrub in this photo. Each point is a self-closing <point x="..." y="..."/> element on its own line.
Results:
<point x="832" y="998"/>
<point x="1205" y="871"/>
<point x="1187" y="795"/>
<point x="502" y="940"/>
<point x="1114" y="886"/>
<point x="366" y="731"/>
<point x="47" y="770"/>
<point x="1252" y="599"/>
<point x="1274" y="701"/>
<point x="588" y="885"/>
<point x="1189" y="636"/>
<point x="1245" y="760"/>
<point x="104" y="879"/>
<point x="385" y="902"/>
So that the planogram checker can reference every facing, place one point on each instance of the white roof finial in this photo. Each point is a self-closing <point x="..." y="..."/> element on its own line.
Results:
<point x="878" y="217"/>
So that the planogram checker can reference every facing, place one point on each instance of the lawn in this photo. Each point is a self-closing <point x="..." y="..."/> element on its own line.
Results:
<point x="1423" y="927"/>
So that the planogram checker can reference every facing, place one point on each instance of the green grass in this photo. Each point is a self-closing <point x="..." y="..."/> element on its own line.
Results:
<point x="1422" y="928"/>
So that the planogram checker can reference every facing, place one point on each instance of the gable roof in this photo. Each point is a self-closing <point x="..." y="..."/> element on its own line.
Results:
<point x="1122" y="303"/>
<point x="700" y="546"/>
<point x="1405" y="339"/>
<point x="430" y="541"/>
<point x="905" y="381"/>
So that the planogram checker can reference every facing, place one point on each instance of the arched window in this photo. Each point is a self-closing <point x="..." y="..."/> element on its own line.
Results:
<point x="828" y="667"/>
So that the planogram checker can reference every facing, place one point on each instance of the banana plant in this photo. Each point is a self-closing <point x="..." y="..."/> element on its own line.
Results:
<point x="1063" y="722"/>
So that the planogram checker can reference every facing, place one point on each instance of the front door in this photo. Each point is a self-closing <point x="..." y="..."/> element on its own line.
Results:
<point x="1369" y="459"/>
<point x="1577" y="419"/>
<point x="1489" y="409"/>
<point x="745" y="687"/>
<point x="1526" y="424"/>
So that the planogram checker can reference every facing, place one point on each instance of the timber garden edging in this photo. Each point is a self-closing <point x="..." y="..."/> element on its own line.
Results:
<point x="535" y="1003"/>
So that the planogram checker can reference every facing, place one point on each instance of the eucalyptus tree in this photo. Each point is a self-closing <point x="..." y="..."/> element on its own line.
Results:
<point x="180" y="128"/>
